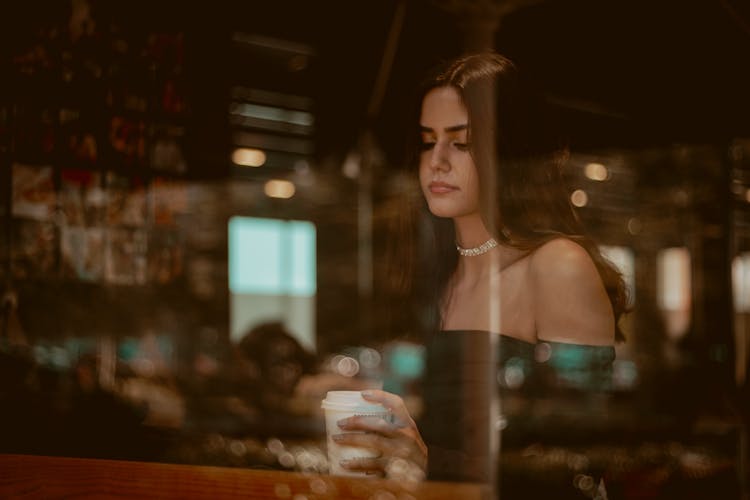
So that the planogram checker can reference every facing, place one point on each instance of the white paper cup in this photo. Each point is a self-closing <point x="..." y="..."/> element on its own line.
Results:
<point x="344" y="404"/>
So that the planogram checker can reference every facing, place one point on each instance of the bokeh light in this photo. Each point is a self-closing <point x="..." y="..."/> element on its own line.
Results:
<point x="579" y="198"/>
<point x="277" y="188"/>
<point x="596" y="172"/>
<point x="248" y="157"/>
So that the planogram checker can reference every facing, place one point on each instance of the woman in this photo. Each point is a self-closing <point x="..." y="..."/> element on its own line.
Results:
<point x="506" y="253"/>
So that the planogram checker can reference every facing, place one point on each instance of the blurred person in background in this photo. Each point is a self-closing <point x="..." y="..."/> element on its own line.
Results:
<point x="257" y="379"/>
<point x="271" y="362"/>
<point x="500" y="251"/>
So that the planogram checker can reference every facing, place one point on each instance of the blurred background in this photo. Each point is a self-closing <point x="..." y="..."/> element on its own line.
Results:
<point x="195" y="204"/>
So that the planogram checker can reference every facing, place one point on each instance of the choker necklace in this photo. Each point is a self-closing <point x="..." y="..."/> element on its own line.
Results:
<point x="483" y="248"/>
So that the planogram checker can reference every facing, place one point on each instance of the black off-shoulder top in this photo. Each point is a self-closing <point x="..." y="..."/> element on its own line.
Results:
<point x="460" y="382"/>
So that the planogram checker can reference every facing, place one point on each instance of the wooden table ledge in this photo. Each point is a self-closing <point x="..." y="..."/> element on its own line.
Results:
<point x="28" y="476"/>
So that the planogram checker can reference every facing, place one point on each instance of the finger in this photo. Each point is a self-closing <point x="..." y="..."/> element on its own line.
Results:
<point x="391" y="401"/>
<point x="398" y="469"/>
<point x="403" y="470"/>
<point x="368" y="424"/>
<point x="370" y="465"/>
<point x="361" y="440"/>
<point x="384" y="446"/>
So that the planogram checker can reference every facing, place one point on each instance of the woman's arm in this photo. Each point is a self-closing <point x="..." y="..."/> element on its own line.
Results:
<point x="570" y="302"/>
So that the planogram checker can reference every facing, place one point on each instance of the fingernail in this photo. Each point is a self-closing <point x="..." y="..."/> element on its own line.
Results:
<point x="345" y="463"/>
<point x="366" y="394"/>
<point x="343" y="422"/>
<point x="337" y="437"/>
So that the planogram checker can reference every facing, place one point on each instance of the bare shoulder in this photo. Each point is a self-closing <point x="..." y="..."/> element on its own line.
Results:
<point x="561" y="258"/>
<point x="570" y="301"/>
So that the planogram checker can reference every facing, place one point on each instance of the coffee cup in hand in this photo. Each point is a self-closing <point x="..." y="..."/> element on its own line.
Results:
<point x="344" y="404"/>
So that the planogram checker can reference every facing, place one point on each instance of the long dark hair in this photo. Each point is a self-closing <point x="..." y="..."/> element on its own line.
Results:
<point x="519" y="157"/>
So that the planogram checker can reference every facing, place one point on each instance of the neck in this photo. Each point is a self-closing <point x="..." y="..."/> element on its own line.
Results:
<point x="471" y="232"/>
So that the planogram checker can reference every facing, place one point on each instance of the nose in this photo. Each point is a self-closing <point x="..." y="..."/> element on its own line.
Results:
<point x="439" y="157"/>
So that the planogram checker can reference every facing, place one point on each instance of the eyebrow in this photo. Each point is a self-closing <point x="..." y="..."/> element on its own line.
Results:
<point x="452" y="128"/>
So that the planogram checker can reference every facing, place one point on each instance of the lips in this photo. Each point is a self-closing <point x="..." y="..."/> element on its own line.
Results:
<point x="437" y="187"/>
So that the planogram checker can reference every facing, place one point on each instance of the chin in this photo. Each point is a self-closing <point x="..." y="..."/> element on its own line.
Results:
<point x="439" y="210"/>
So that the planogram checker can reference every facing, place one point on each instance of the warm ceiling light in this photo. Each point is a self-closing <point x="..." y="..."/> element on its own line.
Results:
<point x="276" y="188"/>
<point x="248" y="157"/>
<point x="579" y="198"/>
<point x="596" y="172"/>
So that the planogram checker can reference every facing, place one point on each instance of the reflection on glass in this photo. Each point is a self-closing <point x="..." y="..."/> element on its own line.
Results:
<point x="741" y="294"/>
<point x="741" y="282"/>
<point x="674" y="289"/>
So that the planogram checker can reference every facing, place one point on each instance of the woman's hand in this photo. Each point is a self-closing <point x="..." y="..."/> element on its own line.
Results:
<point x="402" y="453"/>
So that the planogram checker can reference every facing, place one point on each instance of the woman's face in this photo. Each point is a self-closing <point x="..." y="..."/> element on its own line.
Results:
<point x="447" y="173"/>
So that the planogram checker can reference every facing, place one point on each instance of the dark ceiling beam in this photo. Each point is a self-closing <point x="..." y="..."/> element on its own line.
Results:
<point x="480" y="19"/>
